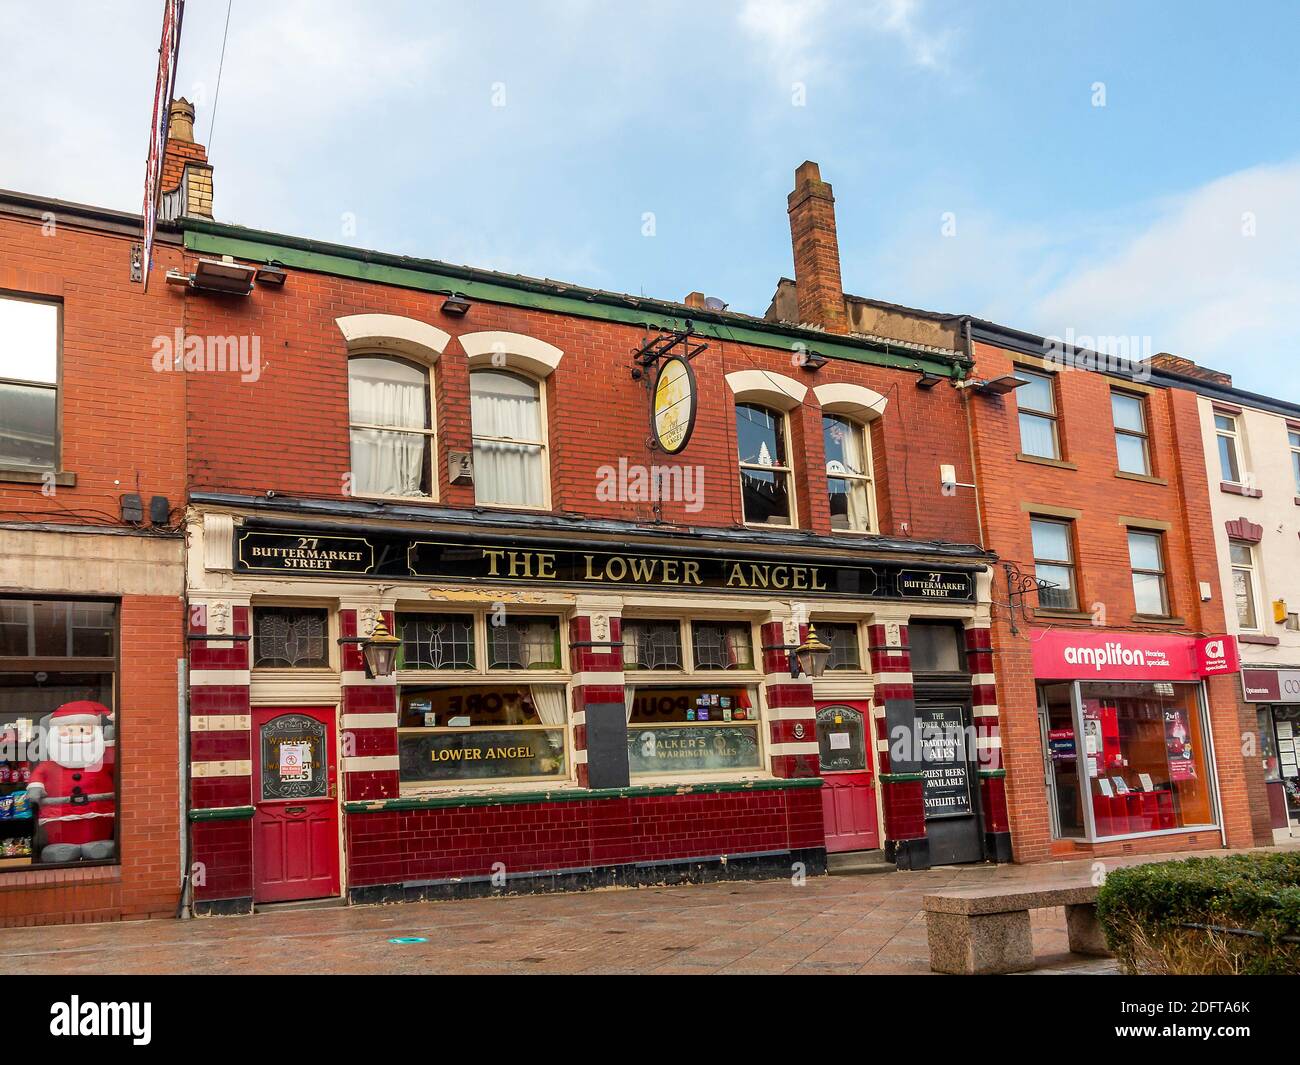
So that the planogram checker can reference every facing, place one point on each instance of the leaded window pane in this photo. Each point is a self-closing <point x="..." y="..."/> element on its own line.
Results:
<point x="431" y="641"/>
<point x="843" y="642"/>
<point x="722" y="645"/>
<point x="652" y="645"/>
<point x="524" y="643"/>
<point x="290" y="638"/>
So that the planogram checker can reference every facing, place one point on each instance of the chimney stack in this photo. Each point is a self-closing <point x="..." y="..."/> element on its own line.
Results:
<point x="185" y="162"/>
<point x="818" y="286"/>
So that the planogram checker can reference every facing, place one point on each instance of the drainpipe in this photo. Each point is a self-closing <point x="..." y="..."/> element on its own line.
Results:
<point x="970" y="433"/>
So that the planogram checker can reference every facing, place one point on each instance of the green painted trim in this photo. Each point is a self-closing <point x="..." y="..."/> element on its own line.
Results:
<point x="222" y="813"/>
<point x="900" y="778"/>
<point x="210" y="238"/>
<point x="576" y="795"/>
<point x="993" y="774"/>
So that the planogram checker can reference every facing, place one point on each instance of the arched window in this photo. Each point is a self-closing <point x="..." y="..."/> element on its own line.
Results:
<point x="391" y="422"/>
<point x="848" y="474"/>
<point x="765" y="492"/>
<point x="510" y="461"/>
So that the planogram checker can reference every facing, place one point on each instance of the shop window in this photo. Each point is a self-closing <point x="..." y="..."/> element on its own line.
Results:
<point x="842" y="639"/>
<point x="29" y="390"/>
<point x="1243" y="584"/>
<point x="1146" y="556"/>
<point x="1293" y="438"/>
<point x="1037" y="409"/>
<point x="476" y="733"/>
<point x="848" y="474"/>
<point x="524" y="643"/>
<point x="1054" y="564"/>
<point x="1225" y="430"/>
<point x="435" y="641"/>
<point x="58" y="792"/>
<point x="722" y="645"/>
<point x="1145" y="757"/>
<point x="766" y="497"/>
<point x="290" y="638"/>
<point x="510" y="463"/>
<point x="1131" y="444"/>
<point x="652" y="644"/>
<point x="390" y="410"/>
<point x="936" y="647"/>
<point x="1286" y="742"/>
<point x="684" y="730"/>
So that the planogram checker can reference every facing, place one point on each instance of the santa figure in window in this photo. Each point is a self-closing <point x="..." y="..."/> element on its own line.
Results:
<point x="72" y="790"/>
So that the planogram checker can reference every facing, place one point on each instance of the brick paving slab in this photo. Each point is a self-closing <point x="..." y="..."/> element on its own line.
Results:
<point x="826" y="926"/>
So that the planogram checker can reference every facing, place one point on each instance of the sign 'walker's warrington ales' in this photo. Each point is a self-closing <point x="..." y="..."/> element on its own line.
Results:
<point x="392" y="555"/>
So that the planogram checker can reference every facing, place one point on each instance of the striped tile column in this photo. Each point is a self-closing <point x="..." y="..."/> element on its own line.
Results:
<point x="369" y="714"/>
<point x="596" y="657"/>
<point x="988" y="742"/>
<point x="901" y="794"/>
<point x="792" y="717"/>
<point x="220" y="751"/>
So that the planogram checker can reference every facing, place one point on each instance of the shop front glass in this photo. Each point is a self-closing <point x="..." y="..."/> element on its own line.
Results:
<point x="690" y="729"/>
<point x="1286" y="755"/>
<point x="1131" y="758"/>
<point x="58" y="792"/>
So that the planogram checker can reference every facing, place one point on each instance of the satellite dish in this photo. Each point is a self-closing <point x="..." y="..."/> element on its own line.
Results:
<point x="712" y="303"/>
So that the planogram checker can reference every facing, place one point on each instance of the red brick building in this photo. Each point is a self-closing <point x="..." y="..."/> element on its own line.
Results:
<point x="92" y="487"/>
<point x="1120" y="725"/>
<point x="599" y="525"/>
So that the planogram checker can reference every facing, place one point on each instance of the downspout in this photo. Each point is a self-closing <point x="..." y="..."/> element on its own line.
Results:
<point x="970" y="432"/>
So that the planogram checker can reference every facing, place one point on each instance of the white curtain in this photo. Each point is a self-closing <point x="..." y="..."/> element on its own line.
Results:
<point x="504" y="471"/>
<point x="386" y="392"/>
<point x="859" y="514"/>
<point x="549" y="701"/>
<point x="629" y="697"/>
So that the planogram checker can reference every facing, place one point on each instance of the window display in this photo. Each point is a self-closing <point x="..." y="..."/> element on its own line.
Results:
<point x="691" y="730"/>
<point x="1286" y="730"/>
<point x="482" y="733"/>
<point x="1145" y="757"/>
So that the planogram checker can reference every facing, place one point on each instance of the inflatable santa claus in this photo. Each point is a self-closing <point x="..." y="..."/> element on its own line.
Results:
<point x="72" y="789"/>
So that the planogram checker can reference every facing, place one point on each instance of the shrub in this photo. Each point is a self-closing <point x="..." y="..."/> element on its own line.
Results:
<point x="1146" y="913"/>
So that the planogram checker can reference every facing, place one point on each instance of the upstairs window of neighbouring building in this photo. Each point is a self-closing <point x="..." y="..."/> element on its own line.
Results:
<point x="1244" y="588"/>
<point x="391" y="415"/>
<point x="1037" y="404"/>
<point x="29" y="375"/>
<point x="1293" y="438"/>
<point x="1225" y="427"/>
<point x="1131" y="444"/>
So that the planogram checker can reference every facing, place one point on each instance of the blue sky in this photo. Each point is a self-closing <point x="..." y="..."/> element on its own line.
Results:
<point x="536" y="137"/>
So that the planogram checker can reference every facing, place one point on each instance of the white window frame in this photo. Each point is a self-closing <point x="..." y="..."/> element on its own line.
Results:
<point x="1251" y="569"/>
<point x="1144" y="435"/>
<point x="1053" y="416"/>
<point x="863" y="429"/>
<point x="56" y="386"/>
<point x="1232" y="434"/>
<point x="1293" y="439"/>
<point x="788" y="469"/>
<point x="1166" y="608"/>
<point x="543" y="445"/>
<point x="431" y="433"/>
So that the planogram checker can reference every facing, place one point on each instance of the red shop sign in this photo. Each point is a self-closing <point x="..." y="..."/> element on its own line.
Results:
<point x="1078" y="654"/>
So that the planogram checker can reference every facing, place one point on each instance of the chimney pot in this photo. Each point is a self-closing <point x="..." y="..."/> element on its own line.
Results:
<point x="180" y="121"/>
<point x="694" y="299"/>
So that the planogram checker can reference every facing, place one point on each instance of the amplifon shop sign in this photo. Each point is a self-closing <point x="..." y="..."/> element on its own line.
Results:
<point x="1074" y="654"/>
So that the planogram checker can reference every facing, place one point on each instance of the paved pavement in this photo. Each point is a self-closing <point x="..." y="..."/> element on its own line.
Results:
<point x="829" y="925"/>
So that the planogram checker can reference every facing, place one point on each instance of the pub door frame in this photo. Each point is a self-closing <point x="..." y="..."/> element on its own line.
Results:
<point x="957" y="839"/>
<point x="836" y="781"/>
<point x="330" y="883"/>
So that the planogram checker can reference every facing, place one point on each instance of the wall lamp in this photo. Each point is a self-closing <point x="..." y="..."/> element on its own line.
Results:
<point x="999" y="386"/>
<point x="809" y="657"/>
<point x="223" y="275"/>
<point x="928" y="380"/>
<point x="379" y="649"/>
<point x="813" y="361"/>
<point x="272" y="273"/>
<point x="455" y="305"/>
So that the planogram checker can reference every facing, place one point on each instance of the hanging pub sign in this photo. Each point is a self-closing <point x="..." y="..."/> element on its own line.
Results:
<point x="675" y="403"/>
<point x="535" y="562"/>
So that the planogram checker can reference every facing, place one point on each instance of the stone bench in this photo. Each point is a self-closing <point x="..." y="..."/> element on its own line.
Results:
<point x="986" y="930"/>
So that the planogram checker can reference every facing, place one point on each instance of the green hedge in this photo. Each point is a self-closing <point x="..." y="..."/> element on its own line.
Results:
<point x="1145" y="911"/>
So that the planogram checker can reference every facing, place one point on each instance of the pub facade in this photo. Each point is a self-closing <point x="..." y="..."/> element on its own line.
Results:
<point x="497" y="584"/>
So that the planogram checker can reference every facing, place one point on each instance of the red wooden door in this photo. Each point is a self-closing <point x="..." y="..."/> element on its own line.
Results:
<point x="296" y="822"/>
<point x="848" y="784"/>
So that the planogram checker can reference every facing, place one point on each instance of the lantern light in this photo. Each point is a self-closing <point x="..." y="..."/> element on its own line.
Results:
<point x="380" y="651"/>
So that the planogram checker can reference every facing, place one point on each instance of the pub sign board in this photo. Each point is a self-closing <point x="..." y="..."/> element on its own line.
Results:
<point x="393" y="555"/>
<point x="945" y="766"/>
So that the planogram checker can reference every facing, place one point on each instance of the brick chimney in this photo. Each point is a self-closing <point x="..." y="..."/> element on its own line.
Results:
<point x="819" y="289"/>
<point x="185" y="162"/>
<point x="1178" y="364"/>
